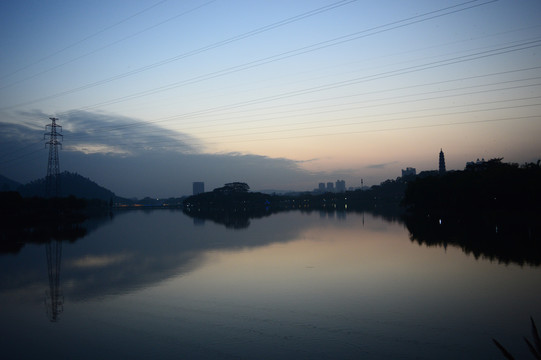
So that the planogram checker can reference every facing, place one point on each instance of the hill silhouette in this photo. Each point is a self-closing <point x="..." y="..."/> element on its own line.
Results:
<point x="72" y="184"/>
<point x="7" y="184"/>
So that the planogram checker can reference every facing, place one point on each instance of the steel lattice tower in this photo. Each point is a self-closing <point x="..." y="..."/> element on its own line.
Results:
<point x="52" y="181"/>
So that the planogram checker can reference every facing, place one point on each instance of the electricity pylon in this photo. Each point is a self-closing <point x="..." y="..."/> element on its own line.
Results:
<point x="54" y="300"/>
<point x="52" y="181"/>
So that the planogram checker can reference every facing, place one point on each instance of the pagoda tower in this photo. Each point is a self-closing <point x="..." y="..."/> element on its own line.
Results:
<point x="442" y="162"/>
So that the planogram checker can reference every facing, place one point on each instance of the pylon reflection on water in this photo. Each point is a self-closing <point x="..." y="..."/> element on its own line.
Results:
<point x="54" y="300"/>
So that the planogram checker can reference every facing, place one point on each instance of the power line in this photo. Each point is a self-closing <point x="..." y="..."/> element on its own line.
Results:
<point x="294" y="137"/>
<point x="108" y="45"/>
<point x="317" y="46"/>
<point x="21" y="156"/>
<point x="453" y="95"/>
<point x="385" y="104"/>
<point x="265" y="108"/>
<point x="469" y="122"/>
<point x="503" y="100"/>
<point x="83" y="40"/>
<point x="18" y="150"/>
<point x="192" y="81"/>
<point x="379" y="105"/>
<point x="196" y="51"/>
<point x="416" y="117"/>
<point x="332" y="123"/>
<point x="488" y="53"/>
<point x="523" y="45"/>
<point x="426" y="66"/>
<point x="413" y="127"/>
<point x="378" y="76"/>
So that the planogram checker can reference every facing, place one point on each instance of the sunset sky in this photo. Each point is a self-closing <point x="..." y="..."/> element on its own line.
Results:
<point x="280" y="94"/>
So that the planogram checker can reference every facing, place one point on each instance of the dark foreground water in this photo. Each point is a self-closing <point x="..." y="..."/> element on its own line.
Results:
<point x="159" y="285"/>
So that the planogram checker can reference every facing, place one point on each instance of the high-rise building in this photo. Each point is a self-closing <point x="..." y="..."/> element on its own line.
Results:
<point x="198" y="187"/>
<point x="442" y="162"/>
<point x="340" y="186"/>
<point x="330" y="187"/>
<point x="321" y="187"/>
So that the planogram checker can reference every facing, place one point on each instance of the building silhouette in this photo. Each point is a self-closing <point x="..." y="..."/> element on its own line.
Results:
<point x="477" y="165"/>
<point x="321" y="187"/>
<point x="442" y="162"/>
<point x="340" y="186"/>
<point x="198" y="187"/>
<point x="330" y="187"/>
<point x="409" y="172"/>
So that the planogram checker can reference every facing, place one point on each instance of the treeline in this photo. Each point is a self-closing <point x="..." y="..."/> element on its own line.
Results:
<point x="491" y="209"/>
<point x="37" y="219"/>
<point x="236" y="196"/>
<point x="234" y="205"/>
<point x="492" y="187"/>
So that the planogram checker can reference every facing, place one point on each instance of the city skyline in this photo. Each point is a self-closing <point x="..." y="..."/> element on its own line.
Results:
<point x="338" y="186"/>
<point x="154" y="94"/>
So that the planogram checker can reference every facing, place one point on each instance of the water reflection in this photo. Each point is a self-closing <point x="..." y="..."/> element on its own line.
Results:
<point x="52" y="234"/>
<point x="509" y="240"/>
<point x="240" y="219"/>
<point x="319" y="284"/>
<point x="179" y="247"/>
<point x="231" y="219"/>
<point x="134" y="249"/>
<point x="54" y="300"/>
<point x="119" y="254"/>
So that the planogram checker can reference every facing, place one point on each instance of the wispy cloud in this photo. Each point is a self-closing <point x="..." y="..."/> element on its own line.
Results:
<point x="119" y="135"/>
<point x="381" y="166"/>
<point x="307" y="161"/>
<point x="94" y="148"/>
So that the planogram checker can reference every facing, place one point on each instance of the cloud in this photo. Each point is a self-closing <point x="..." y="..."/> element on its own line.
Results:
<point x="98" y="149"/>
<point x="136" y="159"/>
<point x="119" y="135"/>
<point x="307" y="161"/>
<point x="381" y="166"/>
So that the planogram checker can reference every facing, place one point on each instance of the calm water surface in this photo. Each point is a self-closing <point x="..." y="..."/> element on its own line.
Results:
<point x="293" y="285"/>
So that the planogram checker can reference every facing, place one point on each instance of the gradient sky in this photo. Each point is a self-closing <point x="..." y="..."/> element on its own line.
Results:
<point x="153" y="95"/>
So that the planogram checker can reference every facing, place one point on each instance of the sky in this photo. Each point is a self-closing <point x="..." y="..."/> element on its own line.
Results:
<point x="154" y="95"/>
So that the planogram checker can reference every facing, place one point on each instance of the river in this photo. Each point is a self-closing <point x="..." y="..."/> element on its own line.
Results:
<point x="294" y="285"/>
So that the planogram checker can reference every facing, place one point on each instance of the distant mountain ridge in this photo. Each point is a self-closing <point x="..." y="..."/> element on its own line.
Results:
<point x="7" y="184"/>
<point x="70" y="184"/>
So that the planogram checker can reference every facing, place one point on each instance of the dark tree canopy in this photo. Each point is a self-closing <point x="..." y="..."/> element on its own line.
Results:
<point x="488" y="187"/>
<point x="234" y="187"/>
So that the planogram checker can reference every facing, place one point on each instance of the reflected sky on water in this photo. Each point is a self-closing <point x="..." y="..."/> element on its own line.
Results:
<point x="292" y="286"/>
